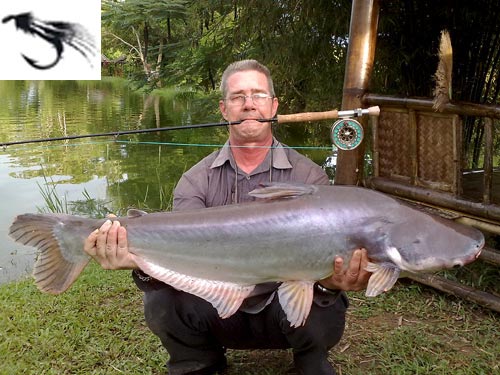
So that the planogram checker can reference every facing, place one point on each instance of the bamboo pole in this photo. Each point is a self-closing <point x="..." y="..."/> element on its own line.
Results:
<point x="489" y="227"/>
<point x="490" y="256"/>
<point x="412" y="119"/>
<point x="488" y="160"/>
<point x="359" y="65"/>
<point x="457" y="155"/>
<point x="485" y="299"/>
<point x="438" y="198"/>
<point x="459" y="108"/>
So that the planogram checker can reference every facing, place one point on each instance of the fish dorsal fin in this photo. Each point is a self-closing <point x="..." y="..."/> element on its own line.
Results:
<point x="280" y="190"/>
<point x="383" y="278"/>
<point x="134" y="212"/>
<point x="225" y="297"/>
<point x="296" y="298"/>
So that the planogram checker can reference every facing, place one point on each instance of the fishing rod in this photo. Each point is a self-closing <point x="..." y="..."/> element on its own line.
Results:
<point x="296" y="117"/>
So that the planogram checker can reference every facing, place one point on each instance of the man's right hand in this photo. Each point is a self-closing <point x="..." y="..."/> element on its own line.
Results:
<point x="108" y="245"/>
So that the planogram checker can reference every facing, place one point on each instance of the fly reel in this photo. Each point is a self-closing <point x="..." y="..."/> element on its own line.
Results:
<point x="347" y="134"/>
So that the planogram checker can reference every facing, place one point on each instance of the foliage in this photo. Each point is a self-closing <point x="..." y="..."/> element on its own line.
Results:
<point x="53" y="202"/>
<point x="304" y="43"/>
<point x="91" y="207"/>
<point x="296" y="39"/>
<point x="143" y="27"/>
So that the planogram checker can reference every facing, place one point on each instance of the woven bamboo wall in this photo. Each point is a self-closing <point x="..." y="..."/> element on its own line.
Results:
<point x="419" y="148"/>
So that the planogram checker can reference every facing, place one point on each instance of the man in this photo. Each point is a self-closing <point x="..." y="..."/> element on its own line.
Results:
<point x="189" y="327"/>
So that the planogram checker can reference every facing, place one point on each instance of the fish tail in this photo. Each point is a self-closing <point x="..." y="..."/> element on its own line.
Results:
<point x="61" y="258"/>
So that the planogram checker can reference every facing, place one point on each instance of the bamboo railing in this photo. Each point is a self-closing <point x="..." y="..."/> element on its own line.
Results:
<point x="416" y="189"/>
<point x="417" y="156"/>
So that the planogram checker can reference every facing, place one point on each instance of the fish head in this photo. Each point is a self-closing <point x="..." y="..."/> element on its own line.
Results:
<point x="427" y="243"/>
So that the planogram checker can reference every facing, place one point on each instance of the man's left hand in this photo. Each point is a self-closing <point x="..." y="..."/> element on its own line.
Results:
<point x="354" y="277"/>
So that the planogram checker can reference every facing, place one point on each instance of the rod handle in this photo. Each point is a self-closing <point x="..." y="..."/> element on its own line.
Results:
<point x="328" y="115"/>
<point x="308" y="116"/>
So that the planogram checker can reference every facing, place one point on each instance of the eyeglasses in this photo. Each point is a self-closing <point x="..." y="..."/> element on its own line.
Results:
<point x="257" y="99"/>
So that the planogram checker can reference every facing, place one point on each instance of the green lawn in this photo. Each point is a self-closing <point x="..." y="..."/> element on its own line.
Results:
<point x="97" y="327"/>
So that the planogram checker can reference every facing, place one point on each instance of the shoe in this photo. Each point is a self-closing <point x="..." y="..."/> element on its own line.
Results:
<point x="217" y="368"/>
<point x="313" y="365"/>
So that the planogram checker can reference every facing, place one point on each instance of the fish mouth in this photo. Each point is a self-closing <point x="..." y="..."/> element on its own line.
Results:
<point x="464" y="261"/>
<point x="438" y="265"/>
<point x="479" y="247"/>
<point x="475" y="256"/>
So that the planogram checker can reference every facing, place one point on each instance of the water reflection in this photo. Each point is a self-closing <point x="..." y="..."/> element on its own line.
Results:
<point x="137" y="170"/>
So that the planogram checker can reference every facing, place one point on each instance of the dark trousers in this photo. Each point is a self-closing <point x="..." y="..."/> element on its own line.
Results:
<point x="196" y="337"/>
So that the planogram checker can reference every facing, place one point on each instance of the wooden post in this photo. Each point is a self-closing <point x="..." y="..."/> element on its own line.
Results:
<point x="488" y="160"/>
<point x="359" y="65"/>
<point x="463" y="291"/>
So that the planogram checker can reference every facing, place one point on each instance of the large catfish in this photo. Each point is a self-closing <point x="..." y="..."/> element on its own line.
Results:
<point x="291" y="235"/>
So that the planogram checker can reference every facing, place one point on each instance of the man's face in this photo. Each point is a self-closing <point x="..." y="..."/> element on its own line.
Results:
<point x="248" y="83"/>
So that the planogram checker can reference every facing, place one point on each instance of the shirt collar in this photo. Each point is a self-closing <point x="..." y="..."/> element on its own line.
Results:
<point x="280" y="158"/>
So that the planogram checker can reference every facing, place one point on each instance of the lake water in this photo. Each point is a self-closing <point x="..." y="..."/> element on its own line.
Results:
<point x="138" y="170"/>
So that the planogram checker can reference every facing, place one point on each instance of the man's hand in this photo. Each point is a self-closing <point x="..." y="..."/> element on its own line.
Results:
<point x="354" y="277"/>
<point x="108" y="245"/>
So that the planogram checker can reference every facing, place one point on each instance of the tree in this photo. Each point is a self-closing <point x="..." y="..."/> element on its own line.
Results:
<point x="304" y="43"/>
<point x="144" y="27"/>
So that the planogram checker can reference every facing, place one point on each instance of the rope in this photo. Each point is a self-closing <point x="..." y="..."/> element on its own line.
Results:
<point x="221" y="145"/>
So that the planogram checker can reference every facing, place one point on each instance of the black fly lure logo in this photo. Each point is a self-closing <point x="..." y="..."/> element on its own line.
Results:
<point x="56" y="33"/>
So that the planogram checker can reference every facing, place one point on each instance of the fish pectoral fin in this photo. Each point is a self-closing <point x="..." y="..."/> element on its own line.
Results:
<point x="383" y="278"/>
<point x="224" y="296"/>
<point x="296" y="298"/>
<point x="277" y="190"/>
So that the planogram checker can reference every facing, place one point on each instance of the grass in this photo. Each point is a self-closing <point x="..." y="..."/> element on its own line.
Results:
<point x="94" y="328"/>
<point x="97" y="327"/>
<point x="416" y="330"/>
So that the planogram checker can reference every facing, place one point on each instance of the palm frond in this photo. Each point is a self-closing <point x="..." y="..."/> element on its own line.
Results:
<point x="443" y="75"/>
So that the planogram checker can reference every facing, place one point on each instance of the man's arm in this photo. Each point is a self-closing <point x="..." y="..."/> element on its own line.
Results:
<point x="188" y="194"/>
